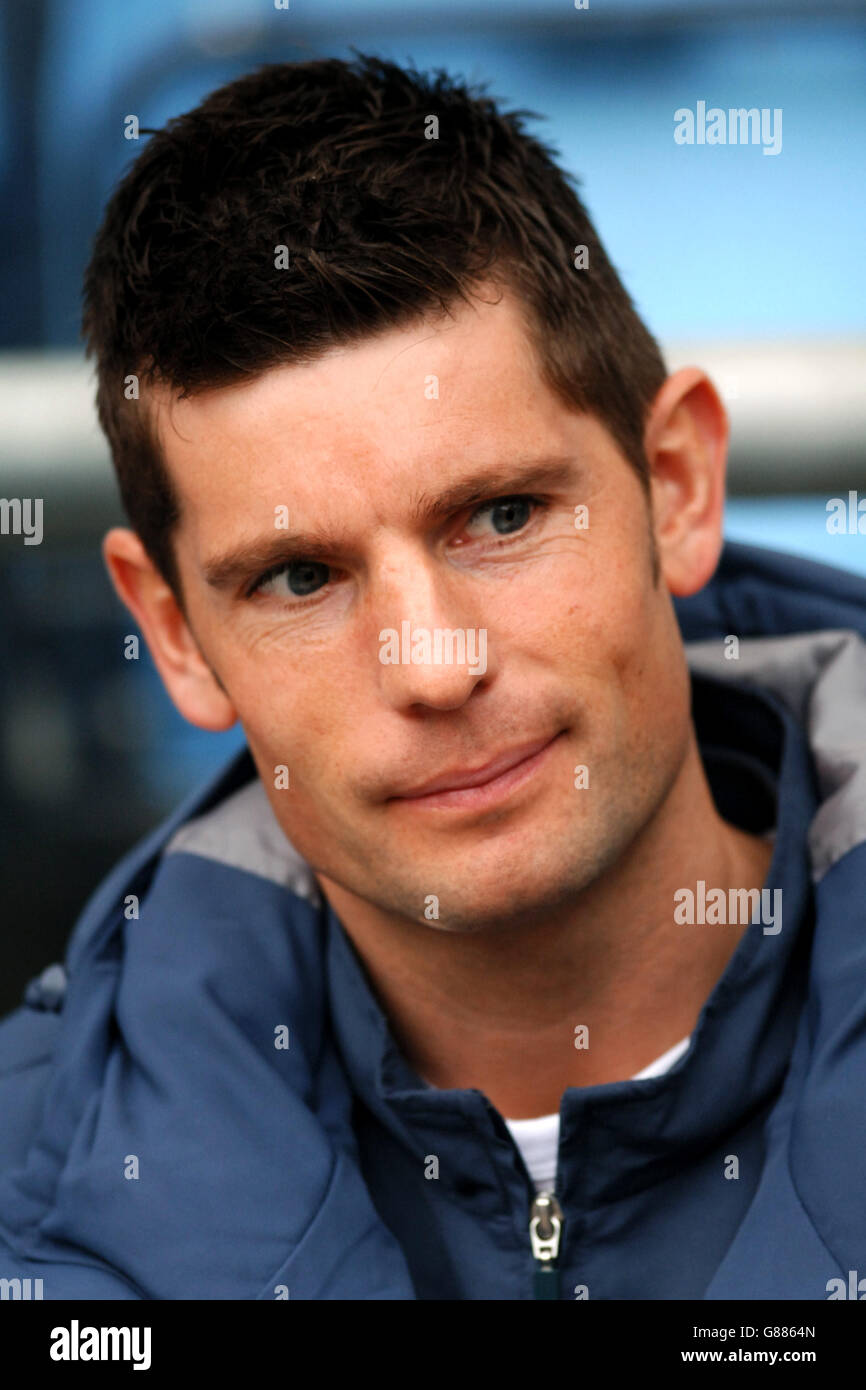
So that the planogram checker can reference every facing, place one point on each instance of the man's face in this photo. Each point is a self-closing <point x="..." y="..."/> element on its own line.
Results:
<point x="427" y="481"/>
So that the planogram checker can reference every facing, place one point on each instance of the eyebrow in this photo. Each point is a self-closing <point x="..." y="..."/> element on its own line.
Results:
<point x="252" y="558"/>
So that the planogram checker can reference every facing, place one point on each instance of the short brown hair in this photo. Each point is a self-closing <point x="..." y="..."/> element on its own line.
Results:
<point x="384" y="216"/>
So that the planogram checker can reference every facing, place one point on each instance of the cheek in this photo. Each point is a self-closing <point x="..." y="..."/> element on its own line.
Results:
<point x="621" y="647"/>
<point x="287" y="713"/>
<point x="609" y="619"/>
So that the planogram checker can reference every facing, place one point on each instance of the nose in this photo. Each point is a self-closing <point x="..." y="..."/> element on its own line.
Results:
<point x="429" y="652"/>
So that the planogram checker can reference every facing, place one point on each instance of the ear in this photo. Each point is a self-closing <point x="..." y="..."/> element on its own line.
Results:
<point x="686" y="444"/>
<point x="185" y="674"/>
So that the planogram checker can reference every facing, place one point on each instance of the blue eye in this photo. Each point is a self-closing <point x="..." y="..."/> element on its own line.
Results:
<point x="306" y="576"/>
<point x="507" y="514"/>
<point x="298" y="578"/>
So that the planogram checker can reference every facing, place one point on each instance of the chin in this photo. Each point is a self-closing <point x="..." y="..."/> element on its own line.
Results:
<point x="466" y="908"/>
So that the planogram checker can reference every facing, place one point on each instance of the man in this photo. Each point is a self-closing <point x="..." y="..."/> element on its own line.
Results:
<point x="519" y="955"/>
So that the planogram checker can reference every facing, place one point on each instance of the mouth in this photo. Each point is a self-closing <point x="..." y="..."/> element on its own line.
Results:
<point x="481" y="787"/>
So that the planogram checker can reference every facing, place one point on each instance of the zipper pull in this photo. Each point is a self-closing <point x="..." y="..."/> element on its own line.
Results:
<point x="545" y="1229"/>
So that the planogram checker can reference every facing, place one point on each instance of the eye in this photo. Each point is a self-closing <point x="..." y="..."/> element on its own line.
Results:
<point x="508" y="515"/>
<point x="294" y="579"/>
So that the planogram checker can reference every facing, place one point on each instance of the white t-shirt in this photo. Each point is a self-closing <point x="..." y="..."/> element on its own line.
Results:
<point x="538" y="1138"/>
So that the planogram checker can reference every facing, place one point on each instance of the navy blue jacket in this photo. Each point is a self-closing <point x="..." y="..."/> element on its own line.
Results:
<point x="159" y="1139"/>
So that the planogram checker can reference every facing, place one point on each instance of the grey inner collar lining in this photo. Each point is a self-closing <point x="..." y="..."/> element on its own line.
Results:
<point x="821" y="677"/>
<point x="243" y="833"/>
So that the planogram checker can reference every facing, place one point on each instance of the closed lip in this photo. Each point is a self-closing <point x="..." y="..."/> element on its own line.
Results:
<point x="462" y="778"/>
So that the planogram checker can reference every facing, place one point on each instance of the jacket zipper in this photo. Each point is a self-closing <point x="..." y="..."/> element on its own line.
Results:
<point x="545" y="1230"/>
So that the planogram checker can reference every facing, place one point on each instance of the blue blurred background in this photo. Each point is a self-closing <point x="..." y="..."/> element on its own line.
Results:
<point x="749" y="264"/>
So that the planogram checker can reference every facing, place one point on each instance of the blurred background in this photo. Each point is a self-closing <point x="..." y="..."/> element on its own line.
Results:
<point x="751" y="265"/>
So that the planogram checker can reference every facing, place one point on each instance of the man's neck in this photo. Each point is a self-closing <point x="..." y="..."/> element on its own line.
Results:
<point x="502" y="1010"/>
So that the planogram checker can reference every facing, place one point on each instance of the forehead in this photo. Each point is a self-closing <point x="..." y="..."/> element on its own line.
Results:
<point x="364" y="426"/>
